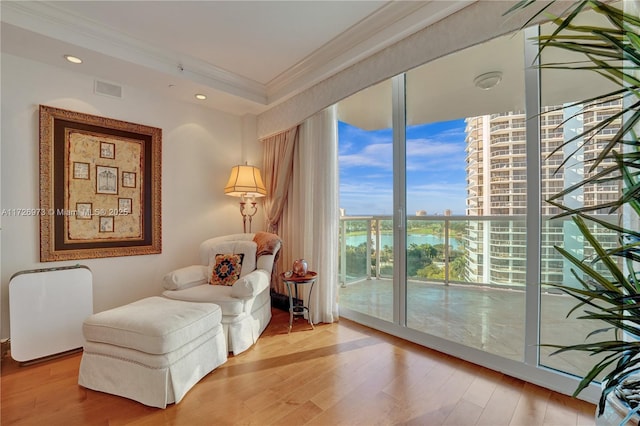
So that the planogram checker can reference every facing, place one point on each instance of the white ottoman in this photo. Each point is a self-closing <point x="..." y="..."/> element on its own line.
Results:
<point x="153" y="350"/>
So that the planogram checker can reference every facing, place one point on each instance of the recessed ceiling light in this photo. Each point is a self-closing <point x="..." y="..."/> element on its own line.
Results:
<point x="73" y="59"/>
<point x="488" y="80"/>
<point x="201" y="97"/>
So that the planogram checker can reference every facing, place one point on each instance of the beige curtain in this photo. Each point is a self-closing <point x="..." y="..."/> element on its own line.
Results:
<point x="321" y="213"/>
<point x="278" y="169"/>
<point x="301" y="175"/>
<point x="310" y="219"/>
<point x="278" y="172"/>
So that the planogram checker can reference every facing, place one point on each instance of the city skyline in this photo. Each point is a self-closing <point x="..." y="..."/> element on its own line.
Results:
<point x="436" y="177"/>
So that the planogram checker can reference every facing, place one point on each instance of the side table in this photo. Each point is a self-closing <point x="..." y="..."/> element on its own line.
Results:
<point x="299" y="308"/>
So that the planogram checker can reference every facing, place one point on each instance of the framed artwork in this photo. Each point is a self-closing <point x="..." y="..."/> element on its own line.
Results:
<point x="128" y="179"/>
<point x="124" y="205"/>
<point x="106" y="223"/>
<point x="107" y="150"/>
<point x="91" y="206"/>
<point x="106" y="180"/>
<point x="80" y="170"/>
<point x="83" y="211"/>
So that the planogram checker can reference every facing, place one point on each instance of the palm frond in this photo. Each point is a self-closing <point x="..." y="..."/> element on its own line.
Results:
<point x="605" y="291"/>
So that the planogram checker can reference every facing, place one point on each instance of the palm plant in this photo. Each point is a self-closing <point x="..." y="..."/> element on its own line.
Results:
<point x="609" y="281"/>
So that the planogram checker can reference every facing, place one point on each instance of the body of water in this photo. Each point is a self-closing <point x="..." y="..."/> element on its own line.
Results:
<point x="387" y="240"/>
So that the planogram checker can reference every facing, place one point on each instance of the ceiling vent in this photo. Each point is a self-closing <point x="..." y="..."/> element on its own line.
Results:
<point x="107" y="89"/>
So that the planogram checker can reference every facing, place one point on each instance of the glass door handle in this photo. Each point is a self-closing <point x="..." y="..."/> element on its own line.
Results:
<point x="401" y="218"/>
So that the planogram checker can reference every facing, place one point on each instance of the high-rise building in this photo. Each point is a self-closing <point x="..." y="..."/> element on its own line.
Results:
<point x="496" y="166"/>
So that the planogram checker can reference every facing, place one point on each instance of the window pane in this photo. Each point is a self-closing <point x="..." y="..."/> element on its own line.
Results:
<point x="365" y="141"/>
<point x="466" y="197"/>
<point x="566" y="156"/>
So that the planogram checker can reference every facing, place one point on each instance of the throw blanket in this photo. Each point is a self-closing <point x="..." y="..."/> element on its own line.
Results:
<point x="267" y="242"/>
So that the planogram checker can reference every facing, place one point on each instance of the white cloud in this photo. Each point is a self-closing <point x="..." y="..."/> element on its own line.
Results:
<point x="430" y="147"/>
<point x="365" y="198"/>
<point x="374" y="155"/>
<point x="432" y="162"/>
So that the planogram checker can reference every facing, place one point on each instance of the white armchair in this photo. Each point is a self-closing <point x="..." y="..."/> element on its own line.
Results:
<point x="246" y="304"/>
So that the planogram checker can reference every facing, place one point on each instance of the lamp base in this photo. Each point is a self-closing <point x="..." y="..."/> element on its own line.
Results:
<point x="247" y="213"/>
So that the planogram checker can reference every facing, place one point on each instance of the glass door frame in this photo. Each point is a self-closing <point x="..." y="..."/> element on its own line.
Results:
<point x="529" y="369"/>
<point x="399" y="121"/>
<point x="532" y="94"/>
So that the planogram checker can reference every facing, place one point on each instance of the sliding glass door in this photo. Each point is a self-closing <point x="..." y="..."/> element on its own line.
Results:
<point x="466" y="198"/>
<point x="366" y="199"/>
<point x="433" y="191"/>
<point x="448" y="238"/>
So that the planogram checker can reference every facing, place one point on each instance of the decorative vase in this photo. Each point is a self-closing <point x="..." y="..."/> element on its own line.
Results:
<point x="300" y="267"/>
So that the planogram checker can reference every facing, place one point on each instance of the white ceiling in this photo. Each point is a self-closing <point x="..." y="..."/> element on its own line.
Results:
<point x="246" y="56"/>
<point x="444" y="89"/>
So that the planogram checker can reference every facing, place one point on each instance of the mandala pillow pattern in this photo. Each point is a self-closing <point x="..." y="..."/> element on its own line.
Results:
<point x="226" y="269"/>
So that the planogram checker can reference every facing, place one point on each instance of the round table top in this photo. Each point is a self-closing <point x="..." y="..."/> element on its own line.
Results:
<point x="310" y="275"/>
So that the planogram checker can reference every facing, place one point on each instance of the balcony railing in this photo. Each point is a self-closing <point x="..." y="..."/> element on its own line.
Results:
<point x="452" y="249"/>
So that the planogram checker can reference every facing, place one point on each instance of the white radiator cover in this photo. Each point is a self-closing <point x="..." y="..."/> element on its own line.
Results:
<point x="46" y="311"/>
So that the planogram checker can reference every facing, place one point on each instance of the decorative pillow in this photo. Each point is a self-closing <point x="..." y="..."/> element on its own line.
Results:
<point x="226" y="269"/>
<point x="248" y="248"/>
<point x="189" y="276"/>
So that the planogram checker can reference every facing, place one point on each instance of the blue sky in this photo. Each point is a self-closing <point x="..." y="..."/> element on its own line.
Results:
<point x="436" y="178"/>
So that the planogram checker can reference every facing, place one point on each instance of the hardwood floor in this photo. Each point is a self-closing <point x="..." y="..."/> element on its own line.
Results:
<point x="337" y="374"/>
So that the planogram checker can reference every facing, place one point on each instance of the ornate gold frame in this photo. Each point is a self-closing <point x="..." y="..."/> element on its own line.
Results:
<point x="68" y="138"/>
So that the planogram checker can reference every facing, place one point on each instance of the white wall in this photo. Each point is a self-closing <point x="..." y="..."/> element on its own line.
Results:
<point x="198" y="149"/>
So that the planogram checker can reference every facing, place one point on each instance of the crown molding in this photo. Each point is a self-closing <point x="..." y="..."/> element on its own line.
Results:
<point x="389" y="24"/>
<point x="53" y="21"/>
<point x="381" y="29"/>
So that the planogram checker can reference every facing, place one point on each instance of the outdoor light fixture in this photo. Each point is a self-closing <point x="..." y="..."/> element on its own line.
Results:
<point x="246" y="182"/>
<point x="488" y="80"/>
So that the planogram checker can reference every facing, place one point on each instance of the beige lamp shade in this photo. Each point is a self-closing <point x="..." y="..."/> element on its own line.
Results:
<point x="245" y="181"/>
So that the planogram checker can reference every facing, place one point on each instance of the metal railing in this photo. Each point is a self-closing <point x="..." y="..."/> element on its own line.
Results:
<point x="479" y="246"/>
<point x="375" y="232"/>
